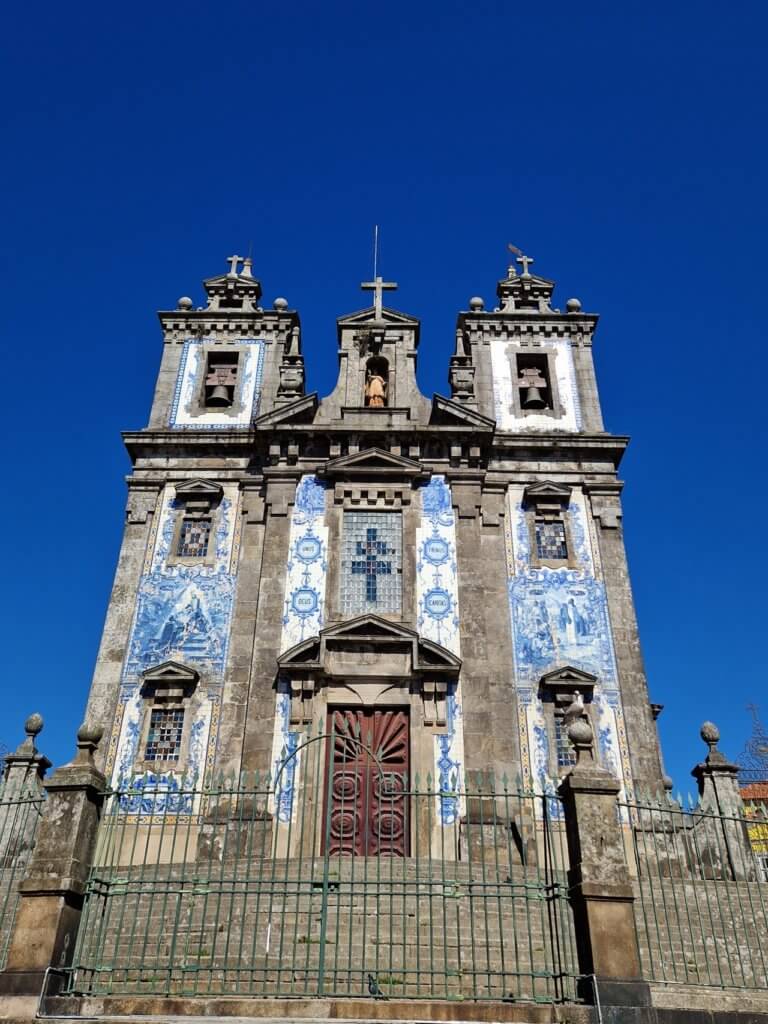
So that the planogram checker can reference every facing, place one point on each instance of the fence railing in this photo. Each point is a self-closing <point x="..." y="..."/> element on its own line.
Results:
<point x="21" y="808"/>
<point x="249" y="887"/>
<point x="702" y="896"/>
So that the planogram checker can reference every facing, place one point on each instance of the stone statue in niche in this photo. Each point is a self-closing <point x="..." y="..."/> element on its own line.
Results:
<point x="376" y="382"/>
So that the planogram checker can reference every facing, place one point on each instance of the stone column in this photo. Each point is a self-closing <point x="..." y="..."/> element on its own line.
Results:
<point x="600" y="887"/>
<point x="21" y="794"/>
<point x="52" y="892"/>
<point x="720" y="837"/>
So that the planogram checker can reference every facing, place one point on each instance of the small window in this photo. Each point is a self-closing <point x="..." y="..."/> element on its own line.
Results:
<point x="220" y="379"/>
<point x="194" y="537"/>
<point x="551" y="543"/>
<point x="533" y="382"/>
<point x="565" y="754"/>
<point x="166" y="726"/>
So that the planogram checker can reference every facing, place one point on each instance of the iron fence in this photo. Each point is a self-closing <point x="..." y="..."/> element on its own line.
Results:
<point x="701" y="906"/>
<point x="262" y="886"/>
<point x="21" y="808"/>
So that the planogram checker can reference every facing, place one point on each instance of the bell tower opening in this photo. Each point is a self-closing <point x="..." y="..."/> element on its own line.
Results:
<point x="377" y="382"/>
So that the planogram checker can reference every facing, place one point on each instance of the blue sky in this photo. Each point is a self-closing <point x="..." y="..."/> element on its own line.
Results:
<point x="623" y="145"/>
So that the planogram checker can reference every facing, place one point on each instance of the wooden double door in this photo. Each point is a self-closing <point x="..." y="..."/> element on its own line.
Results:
<point x="366" y="791"/>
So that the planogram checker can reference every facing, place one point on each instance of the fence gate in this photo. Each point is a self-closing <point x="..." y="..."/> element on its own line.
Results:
<point x="261" y="886"/>
<point x="21" y="806"/>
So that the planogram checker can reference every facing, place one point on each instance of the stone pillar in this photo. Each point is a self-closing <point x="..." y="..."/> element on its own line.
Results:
<point x="21" y="793"/>
<point x="52" y="892"/>
<point x="600" y="887"/>
<point x="721" y="840"/>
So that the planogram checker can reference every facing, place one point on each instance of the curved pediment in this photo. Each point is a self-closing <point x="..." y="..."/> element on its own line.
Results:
<point x="370" y="646"/>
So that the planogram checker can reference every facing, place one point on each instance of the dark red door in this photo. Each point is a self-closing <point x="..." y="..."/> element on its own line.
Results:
<point x="368" y="770"/>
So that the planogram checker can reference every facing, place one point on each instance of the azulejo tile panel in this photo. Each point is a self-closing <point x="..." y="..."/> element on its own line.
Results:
<point x="502" y="355"/>
<point x="560" y="617"/>
<point x="437" y="601"/>
<point x="303" y="617"/>
<point x="189" y="385"/>
<point x="182" y="613"/>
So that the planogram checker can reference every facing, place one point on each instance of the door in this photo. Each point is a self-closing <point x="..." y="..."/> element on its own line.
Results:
<point x="367" y="782"/>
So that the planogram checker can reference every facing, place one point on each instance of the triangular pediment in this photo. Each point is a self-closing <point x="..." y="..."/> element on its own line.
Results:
<point x="548" y="490"/>
<point x="377" y="636"/>
<point x="373" y="462"/>
<point x="568" y="677"/>
<point x="197" y="489"/>
<point x="456" y="414"/>
<point x="174" y="670"/>
<point x="302" y="410"/>
<point x="368" y="316"/>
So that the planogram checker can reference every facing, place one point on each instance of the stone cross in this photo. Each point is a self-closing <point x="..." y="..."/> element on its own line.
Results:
<point x="524" y="261"/>
<point x="377" y="286"/>
<point x="233" y="262"/>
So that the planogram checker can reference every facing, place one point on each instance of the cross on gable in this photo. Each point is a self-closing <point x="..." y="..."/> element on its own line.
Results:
<point x="377" y="286"/>
<point x="370" y="564"/>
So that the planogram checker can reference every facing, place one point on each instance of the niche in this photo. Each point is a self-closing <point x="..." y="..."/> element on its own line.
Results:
<point x="376" y="382"/>
<point x="220" y="379"/>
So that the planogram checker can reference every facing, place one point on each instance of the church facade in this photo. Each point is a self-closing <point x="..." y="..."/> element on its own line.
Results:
<point x="445" y="575"/>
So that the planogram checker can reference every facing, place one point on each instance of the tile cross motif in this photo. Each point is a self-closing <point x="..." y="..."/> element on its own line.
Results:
<point x="371" y="564"/>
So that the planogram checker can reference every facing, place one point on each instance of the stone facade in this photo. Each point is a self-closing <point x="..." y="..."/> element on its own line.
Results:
<point x="488" y="584"/>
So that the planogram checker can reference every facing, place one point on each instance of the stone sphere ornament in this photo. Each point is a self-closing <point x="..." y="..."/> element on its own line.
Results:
<point x="710" y="733"/>
<point x="573" y="305"/>
<point x="184" y="302"/>
<point x="34" y="724"/>
<point x="476" y="303"/>
<point x="580" y="733"/>
<point x="280" y="303"/>
<point x="89" y="734"/>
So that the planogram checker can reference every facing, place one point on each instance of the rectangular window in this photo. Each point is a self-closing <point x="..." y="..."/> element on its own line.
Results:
<point x="564" y="751"/>
<point x="164" y="737"/>
<point x="194" y="536"/>
<point x="371" y="563"/>
<point x="533" y="382"/>
<point x="551" y="544"/>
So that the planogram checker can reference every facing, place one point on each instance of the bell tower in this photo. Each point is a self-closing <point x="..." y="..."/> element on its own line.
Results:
<point x="377" y="366"/>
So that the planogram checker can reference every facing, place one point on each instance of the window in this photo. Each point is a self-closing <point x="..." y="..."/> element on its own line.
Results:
<point x="533" y="382"/>
<point x="220" y="379"/>
<point x="371" y="562"/>
<point x="166" y="726"/>
<point x="551" y="543"/>
<point x="194" y="536"/>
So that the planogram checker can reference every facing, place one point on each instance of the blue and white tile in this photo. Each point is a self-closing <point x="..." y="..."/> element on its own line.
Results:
<point x="502" y="358"/>
<point x="189" y="386"/>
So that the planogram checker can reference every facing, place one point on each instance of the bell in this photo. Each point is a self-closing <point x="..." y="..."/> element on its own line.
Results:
<point x="219" y="396"/>
<point x="533" y="399"/>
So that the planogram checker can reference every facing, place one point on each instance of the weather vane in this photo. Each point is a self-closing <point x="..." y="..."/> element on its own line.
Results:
<point x="520" y="258"/>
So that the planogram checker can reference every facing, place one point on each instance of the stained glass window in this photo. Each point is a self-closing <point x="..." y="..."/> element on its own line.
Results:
<point x="193" y="538"/>
<point x="164" y="736"/>
<point x="550" y="540"/>
<point x="564" y="751"/>
<point x="371" y="562"/>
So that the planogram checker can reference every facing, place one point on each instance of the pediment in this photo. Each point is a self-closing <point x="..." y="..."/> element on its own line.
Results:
<point x="444" y="410"/>
<point x="547" y="490"/>
<point x="373" y="462"/>
<point x="568" y="677"/>
<point x="196" y="490"/>
<point x="369" y="646"/>
<point x="302" y="410"/>
<point x="170" y="676"/>
<point x="368" y="316"/>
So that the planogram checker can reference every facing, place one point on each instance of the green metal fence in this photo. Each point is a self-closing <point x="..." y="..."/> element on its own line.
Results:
<point x="21" y="807"/>
<point x="702" y="898"/>
<point x="249" y="887"/>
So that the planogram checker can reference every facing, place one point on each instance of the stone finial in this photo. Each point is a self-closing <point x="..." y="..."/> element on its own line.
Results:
<point x="184" y="302"/>
<point x="280" y="304"/>
<point x="711" y="736"/>
<point x="583" y="739"/>
<point x="573" y="306"/>
<point x="32" y="727"/>
<point x="476" y="304"/>
<point x="88" y="739"/>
